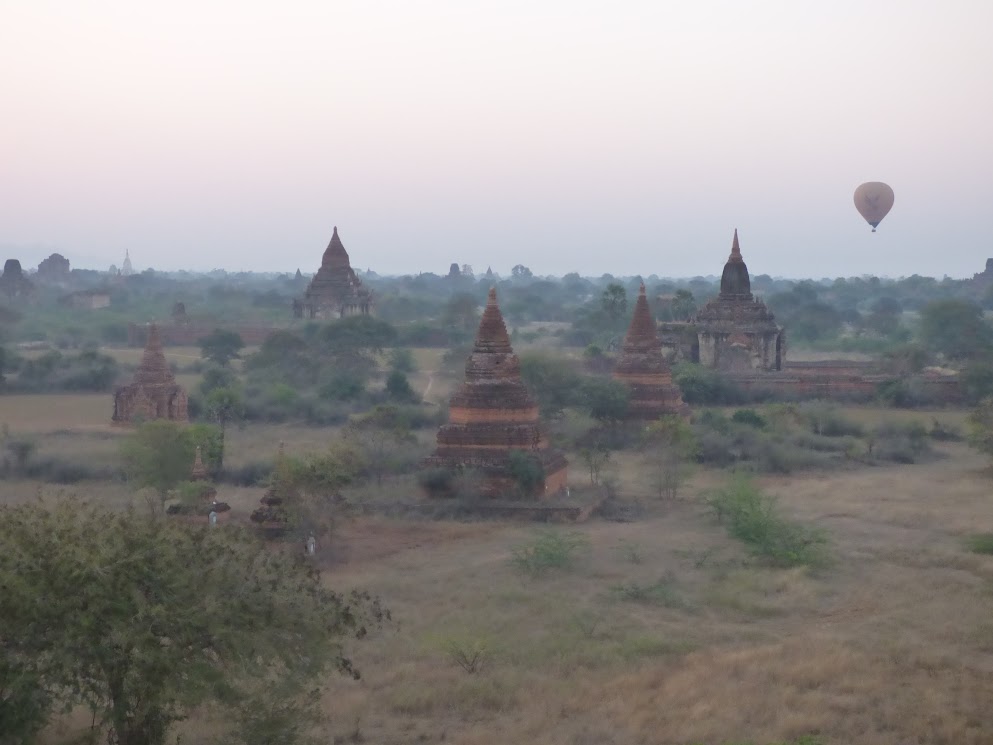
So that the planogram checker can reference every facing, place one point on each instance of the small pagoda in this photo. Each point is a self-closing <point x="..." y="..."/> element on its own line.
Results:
<point x="335" y="291"/>
<point x="735" y="331"/>
<point x="643" y="368"/>
<point x="153" y="393"/>
<point x="492" y="415"/>
<point x="272" y="516"/>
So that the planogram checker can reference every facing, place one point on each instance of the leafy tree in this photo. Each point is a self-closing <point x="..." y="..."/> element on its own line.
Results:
<point x="595" y="458"/>
<point x="981" y="427"/>
<point x="402" y="359"/>
<point x="614" y="302"/>
<point x="160" y="453"/>
<point x="460" y="315"/>
<point x="683" y="305"/>
<point x="398" y="387"/>
<point x="668" y="445"/>
<point x="224" y="406"/>
<point x="220" y="346"/>
<point x="142" y="620"/>
<point x="956" y="329"/>
<point x="554" y="381"/>
<point x="520" y="271"/>
<point x="605" y="399"/>
<point x="526" y="470"/>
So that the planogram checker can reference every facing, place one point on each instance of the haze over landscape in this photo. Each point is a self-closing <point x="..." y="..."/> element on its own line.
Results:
<point x="625" y="138"/>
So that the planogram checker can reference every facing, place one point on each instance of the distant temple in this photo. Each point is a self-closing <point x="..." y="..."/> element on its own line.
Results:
<point x="492" y="415"/>
<point x="13" y="283"/>
<point x="126" y="269"/>
<point x="735" y="331"/>
<point x="644" y="369"/>
<point x="335" y="291"/>
<point x="154" y="393"/>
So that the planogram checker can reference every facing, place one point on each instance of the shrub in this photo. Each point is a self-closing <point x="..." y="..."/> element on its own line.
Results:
<point x="550" y="549"/>
<point x="437" y="481"/>
<point x="824" y="419"/>
<point x="701" y="385"/>
<point x="662" y="593"/>
<point x="980" y="543"/>
<point x="526" y="470"/>
<point x="749" y="417"/>
<point x="899" y="443"/>
<point x="751" y="517"/>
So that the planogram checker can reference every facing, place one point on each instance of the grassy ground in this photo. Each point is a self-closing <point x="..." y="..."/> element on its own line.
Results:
<point x="664" y="630"/>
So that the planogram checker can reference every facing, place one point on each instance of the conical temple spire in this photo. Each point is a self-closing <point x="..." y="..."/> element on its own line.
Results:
<point x="735" y="280"/>
<point x="335" y="254"/>
<point x="153" y="369"/>
<point x="492" y="335"/>
<point x="735" y="248"/>
<point x="641" y="333"/>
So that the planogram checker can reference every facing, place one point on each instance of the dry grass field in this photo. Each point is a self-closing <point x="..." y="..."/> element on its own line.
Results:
<point x="664" y="630"/>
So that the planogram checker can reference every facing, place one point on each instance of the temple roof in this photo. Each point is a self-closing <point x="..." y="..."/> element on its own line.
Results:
<point x="735" y="280"/>
<point x="335" y="255"/>
<point x="335" y="282"/>
<point x="153" y="369"/>
<point x="492" y="335"/>
<point x="641" y="333"/>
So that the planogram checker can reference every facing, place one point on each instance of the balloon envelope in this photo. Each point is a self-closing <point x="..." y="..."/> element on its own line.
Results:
<point x="873" y="200"/>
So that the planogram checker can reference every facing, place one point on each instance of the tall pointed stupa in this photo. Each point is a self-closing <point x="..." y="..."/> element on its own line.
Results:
<point x="335" y="291"/>
<point x="643" y="368"/>
<point x="153" y="393"/>
<point x="735" y="331"/>
<point x="492" y="415"/>
<point x="126" y="269"/>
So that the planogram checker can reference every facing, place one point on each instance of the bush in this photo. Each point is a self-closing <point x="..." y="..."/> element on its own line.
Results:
<point x="899" y="443"/>
<point x="526" y="470"/>
<point x="437" y="481"/>
<point x="825" y="419"/>
<point x="701" y="385"/>
<point x="752" y="518"/>
<point x="980" y="543"/>
<point x="550" y="549"/>
<point x="749" y="417"/>
<point x="662" y="593"/>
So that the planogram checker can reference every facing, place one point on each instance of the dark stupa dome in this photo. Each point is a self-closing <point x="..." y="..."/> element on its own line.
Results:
<point x="734" y="280"/>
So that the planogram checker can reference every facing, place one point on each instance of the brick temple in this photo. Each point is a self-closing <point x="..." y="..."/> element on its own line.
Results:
<point x="153" y="393"/>
<point x="643" y="368"/>
<point x="335" y="291"/>
<point x="735" y="331"/>
<point x="492" y="414"/>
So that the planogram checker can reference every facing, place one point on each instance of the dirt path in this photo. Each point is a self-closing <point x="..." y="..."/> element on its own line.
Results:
<point x="427" y="388"/>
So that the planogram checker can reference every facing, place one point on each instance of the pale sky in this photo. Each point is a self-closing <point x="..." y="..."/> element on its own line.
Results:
<point x="620" y="137"/>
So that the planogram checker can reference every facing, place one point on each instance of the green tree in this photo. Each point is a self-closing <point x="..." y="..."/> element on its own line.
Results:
<point x="981" y="427"/>
<point x="224" y="406"/>
<point x="398" y="387"/>
<point x="141" y="619"/>
<point x="614" y="302"/>
<point x="220" y="346"/>
<point x="160" y="453"/>
<point x="606" y="400"/>
<point x="956" y="329"/>
<point x="553" y="380"/>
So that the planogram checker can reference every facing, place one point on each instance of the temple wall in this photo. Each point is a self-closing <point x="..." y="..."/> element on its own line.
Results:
<point x="556" y="481"/>
<point x="189" y="335"/>
<point x="939" y="391"/>
<point x="461" y="415"/>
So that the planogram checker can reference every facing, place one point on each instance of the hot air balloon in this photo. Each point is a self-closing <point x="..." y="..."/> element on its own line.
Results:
<point x="873" y="200"/>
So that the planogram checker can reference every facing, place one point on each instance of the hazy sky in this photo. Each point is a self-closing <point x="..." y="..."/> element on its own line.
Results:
<point x="621" y="137"/>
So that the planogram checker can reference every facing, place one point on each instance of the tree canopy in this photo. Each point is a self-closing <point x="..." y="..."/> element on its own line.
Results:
<point x="142" y="619"/>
